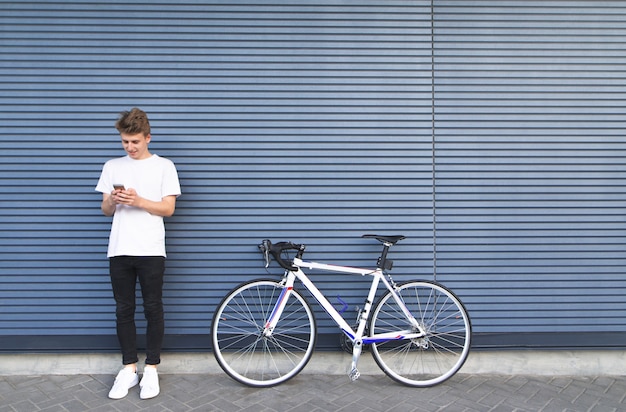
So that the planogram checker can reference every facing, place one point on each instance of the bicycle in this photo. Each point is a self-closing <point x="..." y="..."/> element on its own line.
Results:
<point x="264" y="330"/>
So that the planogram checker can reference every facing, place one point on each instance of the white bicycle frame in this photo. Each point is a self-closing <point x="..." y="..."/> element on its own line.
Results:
<point x="355" y="336"/>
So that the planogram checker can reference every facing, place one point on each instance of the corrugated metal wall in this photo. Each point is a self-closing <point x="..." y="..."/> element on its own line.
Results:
<point x="530" y="166"/>
<point x="313" y="121"/>
<point x="303" y="121"/>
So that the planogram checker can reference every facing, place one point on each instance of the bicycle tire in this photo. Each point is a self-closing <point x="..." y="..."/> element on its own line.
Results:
<point x="438" y="355"/>
<point x="239" y="346"/>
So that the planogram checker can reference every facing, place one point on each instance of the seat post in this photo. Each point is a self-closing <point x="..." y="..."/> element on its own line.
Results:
<point x="383" y="262"/>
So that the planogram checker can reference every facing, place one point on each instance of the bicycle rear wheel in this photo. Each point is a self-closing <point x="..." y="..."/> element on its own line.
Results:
<point x="239" y="346"/>
<point x="438" y="355"/>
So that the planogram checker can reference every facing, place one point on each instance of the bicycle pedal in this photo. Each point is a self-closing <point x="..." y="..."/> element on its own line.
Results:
<point x="354" y="374"/>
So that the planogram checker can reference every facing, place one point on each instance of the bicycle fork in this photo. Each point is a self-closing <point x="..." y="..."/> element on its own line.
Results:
<point x="271" y="322"/>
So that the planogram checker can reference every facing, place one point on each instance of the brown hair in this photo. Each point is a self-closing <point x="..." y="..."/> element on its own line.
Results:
<point x="133" y="122"/>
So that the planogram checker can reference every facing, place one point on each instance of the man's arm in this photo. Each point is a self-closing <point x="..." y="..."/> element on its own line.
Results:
<point x="129" y="197"/>
<point x="164" y="208"/>
<point x="108" y="204"/>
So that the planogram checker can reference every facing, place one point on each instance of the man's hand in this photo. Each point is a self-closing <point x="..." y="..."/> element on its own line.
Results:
<point x="126" y="197"/>
<point x="129" y="197"/>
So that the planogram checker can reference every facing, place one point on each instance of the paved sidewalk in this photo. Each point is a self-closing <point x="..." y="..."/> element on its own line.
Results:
<point x="307" y="393"/>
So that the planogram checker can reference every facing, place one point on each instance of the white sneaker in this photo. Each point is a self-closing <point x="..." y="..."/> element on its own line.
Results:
<point x="149" y="384"/>
<point x="124" y="380"/>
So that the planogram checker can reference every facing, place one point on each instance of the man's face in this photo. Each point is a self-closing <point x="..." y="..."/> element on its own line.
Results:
<point x="136" y="145"/>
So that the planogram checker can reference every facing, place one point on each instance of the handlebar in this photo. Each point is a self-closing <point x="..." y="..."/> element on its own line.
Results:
<point x="268" y="249"/>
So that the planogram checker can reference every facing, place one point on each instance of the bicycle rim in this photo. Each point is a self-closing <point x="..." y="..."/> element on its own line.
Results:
<point x="239" y="346"/>
<point x="438" y="355"/>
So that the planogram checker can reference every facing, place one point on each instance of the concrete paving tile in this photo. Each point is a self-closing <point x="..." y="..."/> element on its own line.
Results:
<point x="24" y="406"/>
<point x="205" y="399"/>
<point x="313" y="393"/>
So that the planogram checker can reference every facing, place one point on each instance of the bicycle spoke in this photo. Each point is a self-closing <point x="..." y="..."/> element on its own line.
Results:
<point x="240" y="346"/>
<point x="436" y="356"/>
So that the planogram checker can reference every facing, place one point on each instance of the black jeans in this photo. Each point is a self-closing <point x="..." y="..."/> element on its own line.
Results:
<point x="124" y="271"/>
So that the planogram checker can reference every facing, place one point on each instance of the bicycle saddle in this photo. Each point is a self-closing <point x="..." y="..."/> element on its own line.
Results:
<point x="389" y="239"/>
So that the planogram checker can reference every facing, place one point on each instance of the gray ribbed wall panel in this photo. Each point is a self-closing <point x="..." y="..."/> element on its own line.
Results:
<point x="312" y="121"/>
<point x="530" y="170"/>
<point x="303" y="121"/>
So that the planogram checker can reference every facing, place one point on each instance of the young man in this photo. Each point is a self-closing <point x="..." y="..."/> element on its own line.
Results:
<point x="138" y="190"/>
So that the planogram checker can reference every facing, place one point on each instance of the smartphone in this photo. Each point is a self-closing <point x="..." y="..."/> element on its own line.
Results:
<point x="118" y="186"/>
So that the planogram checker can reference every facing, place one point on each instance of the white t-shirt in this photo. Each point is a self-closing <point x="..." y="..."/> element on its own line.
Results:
<point x="134" y="231"/>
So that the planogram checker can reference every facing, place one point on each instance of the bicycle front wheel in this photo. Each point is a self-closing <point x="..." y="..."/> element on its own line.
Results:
<point x="240" y="347"/>
<point x="440" y="353"/>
